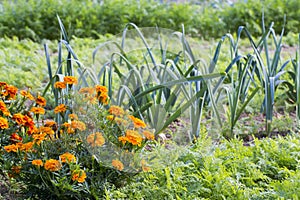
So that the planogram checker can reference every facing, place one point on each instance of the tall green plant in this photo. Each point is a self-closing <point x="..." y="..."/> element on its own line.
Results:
<point x="268" y="67"/>
<point x="158" y="92"/>
<point x="64" y="68"/>
<point x="293" y="85"/>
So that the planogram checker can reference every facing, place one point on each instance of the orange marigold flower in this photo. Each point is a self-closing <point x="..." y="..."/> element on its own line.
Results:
<point x="102" y="95"/>
<point x="75" y="124"/>
<point x="87" y="90"/>
<point x="116" y="110"/>
<point x="60" y="108"/>
<point x="19" y="118"/>
<point x="123" y="139"/>
<point x="50" y="123"/>
<point x="4" y="109"/>
<point x="60" y="85"/>
<point x="137" y="122"/>
<point x="10" y="91"/>
<point x="52" y="165"/>
<point x="70" y="130"/>
<point x="3" y="84"/>
<point x="31" y="130"/>
<point x="10" y="148"/>
<point x="27" y="146"/>
<point x="28" y="121"/>
<point x="3" y="123"/>
<point x="37" y="110"/>
<point x="66" y="124"/>
<point x="38" y="163"/>
<point x="134" y="137"/>
<point x="67" y="158"/>
<point x="41" y="101"/>
<point x="38" y="138"/>
<point x="73" y="116"/>
<point x="101" y="89"/>
<point x="15" y="137"/>
<point x="46" y="130"/>
<point x="148" y="135"/>
<point x="26" y="94"/>
<point x="79" y="176"/>
<point x="95" y="139"/>
<point x="70" y="80"/>
<point x="118" y="165"/>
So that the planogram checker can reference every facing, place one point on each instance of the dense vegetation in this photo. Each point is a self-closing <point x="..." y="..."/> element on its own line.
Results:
<point x="37" y="19"/>
<point x="151" y="113"/>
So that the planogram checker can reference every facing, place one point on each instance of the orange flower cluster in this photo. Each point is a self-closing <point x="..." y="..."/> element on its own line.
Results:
<point x="116" y="111"/>
<point x="89" y="94"/>
<point x="73" y="116"/>
<point x="95" y="139"/>
<point x="52" y="165"/>
<point x="27" y="94"/>
<point x="60" y="108"/>
<point x="102" y="95"/>
<point x="41" y="101"/>
<point x="74" y="125"/>
<point x="15" y="138"/>
<point x="60" y="85"/>
<point x="148" y="135"/>
<point x="37" y="110"/>
<point x="79" y="176"/>
<point x="137" y="122"/>
<point x="70" y="80"/>
<point x="132" y="137"/>
<point x="67" y="158"/>
<point x="4" y="109"/>
<point x="3" y="123"/>
<point x="8" y="91"/>
<point x="26" y="121"/>
<point x="38" y="163"/>
<point x="118" y="165"/>
<point x="19" y="147"/>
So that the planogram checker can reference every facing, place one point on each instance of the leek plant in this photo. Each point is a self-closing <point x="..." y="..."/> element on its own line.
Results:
<point x="268" y="67"/>
<point x="160" y="87"/>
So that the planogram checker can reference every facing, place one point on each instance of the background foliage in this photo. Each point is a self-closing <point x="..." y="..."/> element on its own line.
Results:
<point x="37" y="19"/>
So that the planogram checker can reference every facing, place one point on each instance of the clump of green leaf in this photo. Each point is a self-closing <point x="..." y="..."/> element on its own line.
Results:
<point x="228" y="170"/>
